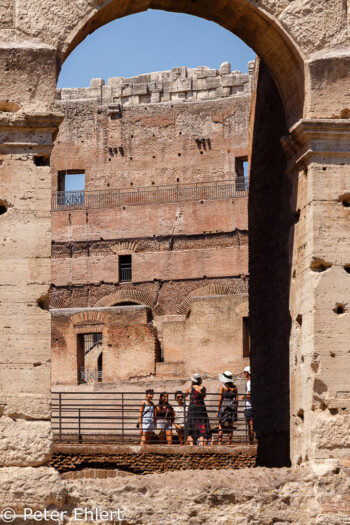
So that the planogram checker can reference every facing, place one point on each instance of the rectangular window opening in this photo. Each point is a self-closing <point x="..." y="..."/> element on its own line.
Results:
<point x="241" y="169"/>
<point x="246" y="336"/>
<point x="71" y="188"/>
<point x="87" y="343"/>
<point x="125" y="273"/>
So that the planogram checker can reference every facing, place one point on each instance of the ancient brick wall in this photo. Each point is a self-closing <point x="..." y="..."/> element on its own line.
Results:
<point x="150" y="221"/>
<point x="209" y="337"/>
<point x="183" y="139"/>
<point x="74" y="460"/>
<point x="176" y="127"/>
<point x="128" y="344"/>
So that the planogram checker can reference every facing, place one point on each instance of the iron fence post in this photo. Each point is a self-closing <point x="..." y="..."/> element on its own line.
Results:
<point x="79" y="427"/>
<point x="60" y="415"/>
<point x="122" y="417"/>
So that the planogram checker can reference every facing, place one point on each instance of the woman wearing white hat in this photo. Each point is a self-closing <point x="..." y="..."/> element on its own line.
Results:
<point x="197" y="428"/>
<point x="227" y="408"/>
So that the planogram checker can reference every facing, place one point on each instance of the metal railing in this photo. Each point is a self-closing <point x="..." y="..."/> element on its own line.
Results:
<point x="112" y="417"/>
<point x="125" y="274"/>
<point x="67" y="200"/>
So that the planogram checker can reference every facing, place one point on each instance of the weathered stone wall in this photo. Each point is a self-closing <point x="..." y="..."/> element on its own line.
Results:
<point x="209" y="338"/>
<point x="179" y="141"/>
<point x="25" y="266"/>
<point x="178" y="249"/>
<point x="179" y="84"/>
<point x="239" y="496"/>
<point x="149" y="223"/>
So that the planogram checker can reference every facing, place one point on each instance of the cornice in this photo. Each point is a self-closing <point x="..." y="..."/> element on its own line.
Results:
<point x="24" y="132"/>
<point x="317" y="137"/>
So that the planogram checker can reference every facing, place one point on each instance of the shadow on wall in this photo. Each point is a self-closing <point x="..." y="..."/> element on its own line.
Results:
<point x="270" y="222"/>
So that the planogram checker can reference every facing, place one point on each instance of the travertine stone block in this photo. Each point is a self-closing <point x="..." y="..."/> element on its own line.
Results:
<point x="7" y="14"/>
<point x="178" y="72"/>
<point x="17" y="85"/>
<point x="27" y="405"/>
<point x="25" y="377"/>
<point x="140" y="89"/>
<point x="223" y="92"/>
<point x="155" y="87"/>
<point x="198" y="84"/>
<point x="142" y="79"/>
<point x="24" y="443"/>
<point x="97" y="83"/>
<point x="211" y="83"/>
<point x="115" y="81"/>
<point x="155" y="97"/>
<point x="37" y="488"/>
<point x="225" y="68"/>
<point x="126" y="90"/>
<point x="330" y="433"/>
<point x="231" y="80"/>
<point x="205" y="72"/>
<point x="181" y="85"/>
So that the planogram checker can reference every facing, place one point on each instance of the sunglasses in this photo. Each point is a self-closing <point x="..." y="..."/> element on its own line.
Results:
<point x="180" y="397"/>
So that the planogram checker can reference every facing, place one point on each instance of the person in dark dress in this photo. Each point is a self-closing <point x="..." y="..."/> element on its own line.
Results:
<point x="227" y="408"/>
<point x="197" y="428"/>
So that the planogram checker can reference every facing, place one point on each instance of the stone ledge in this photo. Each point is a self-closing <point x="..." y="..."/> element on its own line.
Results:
<point x="151" y="459"/>
<point x="105" y="448"/>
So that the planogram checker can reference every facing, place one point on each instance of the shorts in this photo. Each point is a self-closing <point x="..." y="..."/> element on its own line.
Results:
<point x="248" y="412"/>
<point x="147" y="424"/>
<point x="163" y="424"/>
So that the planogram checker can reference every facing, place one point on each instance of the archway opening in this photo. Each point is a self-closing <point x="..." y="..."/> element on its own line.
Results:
<point x="115" y="107"/>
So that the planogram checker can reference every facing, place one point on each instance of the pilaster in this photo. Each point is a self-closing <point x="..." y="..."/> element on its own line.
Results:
<point x="26" y="141"/>
<point x="319" y="164"/>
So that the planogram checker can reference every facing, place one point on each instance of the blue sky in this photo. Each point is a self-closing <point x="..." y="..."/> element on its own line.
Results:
<point x="152" y="41"/>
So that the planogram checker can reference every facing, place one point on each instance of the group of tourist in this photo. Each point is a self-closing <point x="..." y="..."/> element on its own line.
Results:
<point x="193" y="426"/>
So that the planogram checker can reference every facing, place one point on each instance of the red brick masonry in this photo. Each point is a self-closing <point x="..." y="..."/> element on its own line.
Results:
<point x="151" y="459"/>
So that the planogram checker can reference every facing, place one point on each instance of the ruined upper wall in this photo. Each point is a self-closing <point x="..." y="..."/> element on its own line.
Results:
<point x="176" y="85"/>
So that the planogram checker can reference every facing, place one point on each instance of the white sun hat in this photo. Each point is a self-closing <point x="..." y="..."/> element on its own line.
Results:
<point x="195" y="378"/>
<point x="226" y="377"/>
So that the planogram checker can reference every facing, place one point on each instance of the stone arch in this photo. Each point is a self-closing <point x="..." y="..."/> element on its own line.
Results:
<point x="125" y="247"/>
<point x="258" y="26"/>
<point x="209" y="289"/>
<point x="135" y="296"/>
<point x="88" y="316"/>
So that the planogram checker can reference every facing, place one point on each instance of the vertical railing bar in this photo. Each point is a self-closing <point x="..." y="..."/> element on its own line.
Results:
<point x="60" y="415"/>
<point x="122" y="417"/>
<point x="79" y="427"/>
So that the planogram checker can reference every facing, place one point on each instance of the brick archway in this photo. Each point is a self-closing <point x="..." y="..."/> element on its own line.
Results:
<point x="134" y="296"/>
<point x="210" y="289"/>
<point x="87" y="316"/>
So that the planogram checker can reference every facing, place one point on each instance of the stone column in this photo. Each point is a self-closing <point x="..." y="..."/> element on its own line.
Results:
<point x="319" y="159"/>
<point x="26" y="141"/>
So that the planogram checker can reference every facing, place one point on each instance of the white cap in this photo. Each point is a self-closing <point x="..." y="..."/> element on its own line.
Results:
<point x="247" y="369"/>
